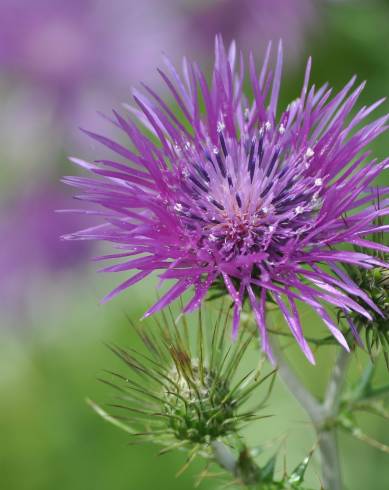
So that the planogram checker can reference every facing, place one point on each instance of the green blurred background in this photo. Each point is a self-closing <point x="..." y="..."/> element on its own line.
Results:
<point x="52" y="326"/>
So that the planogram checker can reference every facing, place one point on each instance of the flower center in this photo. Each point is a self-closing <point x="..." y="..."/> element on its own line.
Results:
<point x="238" y="198"/>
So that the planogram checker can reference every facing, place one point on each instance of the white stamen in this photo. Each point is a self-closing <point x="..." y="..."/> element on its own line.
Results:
<point x="178" y="207"/>
<point x="271" y="228"/>
<point x="318" y="182"/>
<point x="213" y="238"/>
<point x="220" y="126"/>
<point x="299" y="210"/>
<point x="265" y="209"/>
<point x="315" y="197"/>
<point x="267" y="125"/>
<point x="281" y="129"/>
<point x="309" y="153"/>
<point x="215" y="150"/>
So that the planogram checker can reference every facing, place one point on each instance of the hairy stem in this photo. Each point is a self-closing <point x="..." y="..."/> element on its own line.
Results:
<point x="328" y="446"/>
<point x="322" y="415"/>
<point x="224" y="456"/>
<point x="296" y="387"/>
<point x="329" y="457"/>
<point x="336" y="383"/>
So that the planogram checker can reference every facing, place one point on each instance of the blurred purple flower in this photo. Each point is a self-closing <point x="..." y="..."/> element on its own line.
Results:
<point x="47" y="40"/>
<point x="234" y="193"/>
<point x="65" y="43"/>
<point x="253" y="22"/>
<point x="30" y="245"/>
<point x="77" y="51"/>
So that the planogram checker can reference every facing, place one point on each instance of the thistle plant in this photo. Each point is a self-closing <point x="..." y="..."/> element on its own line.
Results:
<point x="199" y="398"/>
<point x="191" y="395"/>
<point x="226" y="195"/>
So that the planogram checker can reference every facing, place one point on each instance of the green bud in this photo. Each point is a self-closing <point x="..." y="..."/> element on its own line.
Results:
<point x="200" y="407"/>
<point x="186" y="392"/>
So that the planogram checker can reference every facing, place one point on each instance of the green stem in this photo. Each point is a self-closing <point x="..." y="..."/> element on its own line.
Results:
<point x="377" y="392"/>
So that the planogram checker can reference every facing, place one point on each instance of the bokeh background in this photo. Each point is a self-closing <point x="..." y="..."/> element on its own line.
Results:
<point x="61" y="63"/>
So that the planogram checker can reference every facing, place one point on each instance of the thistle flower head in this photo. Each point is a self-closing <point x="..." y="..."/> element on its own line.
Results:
<point x="183" y="392"/>
<point x="237" y="191"/>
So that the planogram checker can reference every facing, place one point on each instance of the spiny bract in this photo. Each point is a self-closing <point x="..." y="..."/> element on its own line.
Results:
<point x="188" y="393"/>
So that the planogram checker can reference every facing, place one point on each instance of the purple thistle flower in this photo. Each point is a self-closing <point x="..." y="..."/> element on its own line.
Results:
<point x="235" y="192"/>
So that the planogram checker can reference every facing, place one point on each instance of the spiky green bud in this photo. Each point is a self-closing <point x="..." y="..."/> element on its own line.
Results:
<point x="185" y="392"/>
<point x="200" y="407"/>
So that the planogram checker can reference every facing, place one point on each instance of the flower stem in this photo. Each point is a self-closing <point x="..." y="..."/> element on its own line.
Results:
<point x="296" y="387"/>
<point x="329" y="456"/>
<point x="224" y="456"/>
<point x="336" y="383"/>
<point x="322" y="415"/>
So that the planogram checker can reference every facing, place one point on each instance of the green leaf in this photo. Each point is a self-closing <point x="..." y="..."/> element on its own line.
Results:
<point x="298" y="473"/>
<point x="267" y="471"/>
